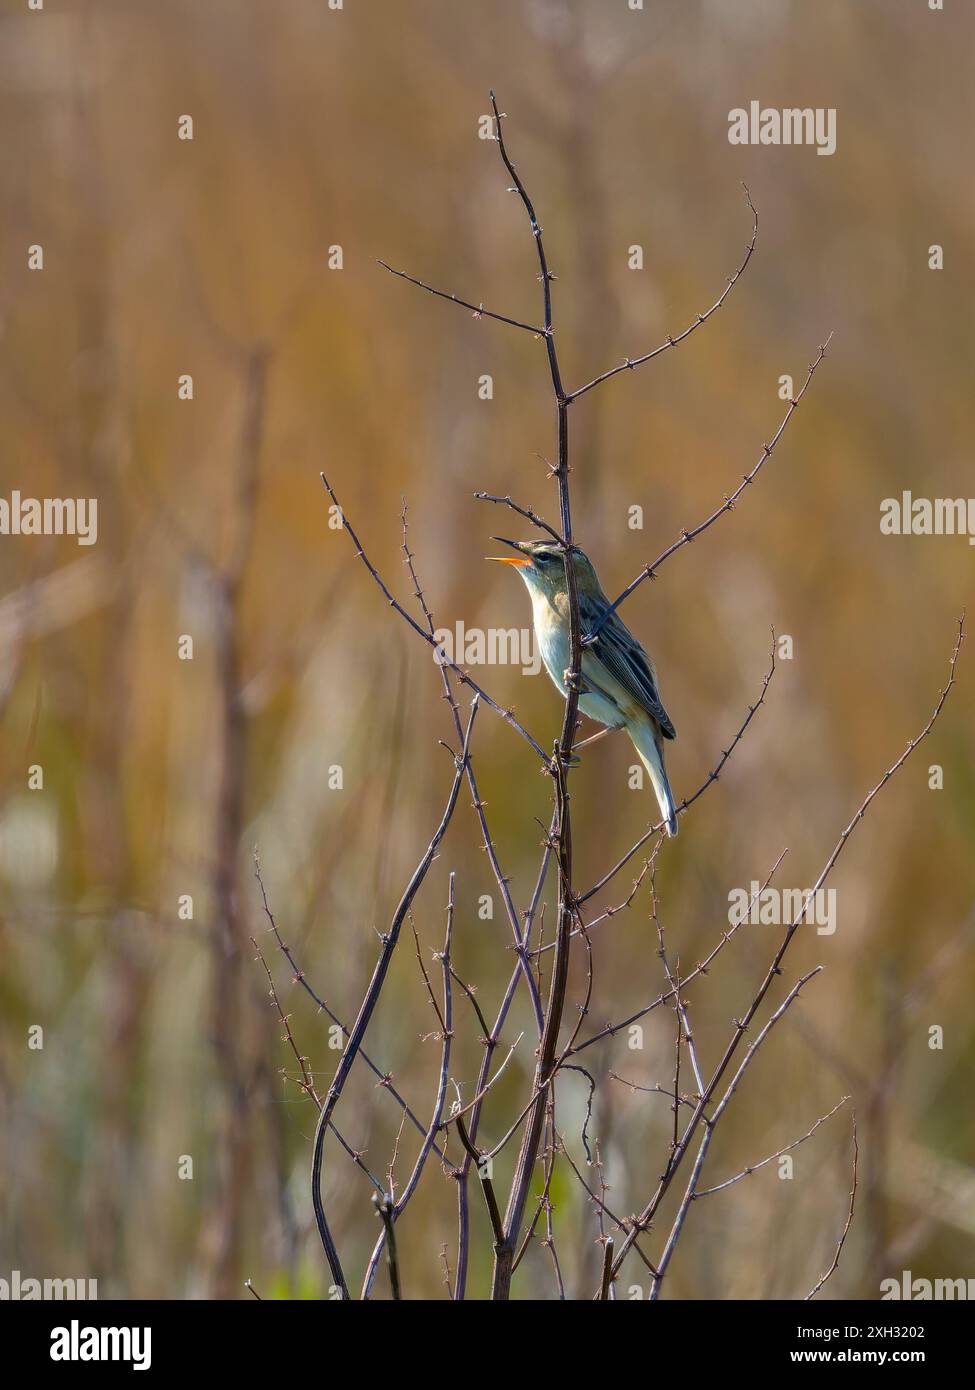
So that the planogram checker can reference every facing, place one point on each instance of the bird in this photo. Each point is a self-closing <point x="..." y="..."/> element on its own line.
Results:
<point x="619" y="681"/>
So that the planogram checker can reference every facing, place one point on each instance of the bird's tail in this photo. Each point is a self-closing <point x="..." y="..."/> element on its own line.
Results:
<point x="646" y="742"/>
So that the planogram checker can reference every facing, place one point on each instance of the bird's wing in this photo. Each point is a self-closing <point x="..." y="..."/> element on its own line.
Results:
<point x="626" y="661"/>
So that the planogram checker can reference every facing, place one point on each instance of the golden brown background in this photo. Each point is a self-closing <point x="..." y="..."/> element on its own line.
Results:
<point x="162" y="257"/>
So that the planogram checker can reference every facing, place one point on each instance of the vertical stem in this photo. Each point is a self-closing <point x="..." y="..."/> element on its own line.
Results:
<point x="545" y="1066"/>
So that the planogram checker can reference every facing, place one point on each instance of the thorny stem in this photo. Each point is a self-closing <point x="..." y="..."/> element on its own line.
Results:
<point x="525" y="1165"/>
<point x="366" y="1011"/>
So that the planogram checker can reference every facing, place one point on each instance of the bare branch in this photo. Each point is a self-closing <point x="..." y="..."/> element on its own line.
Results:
<point x="849" y="1220"/>
<point x="478" y="310"/>
<point x="728" y="505"/>
<point x="629" y="363"/>
<point x="455" y="1115"/>
<point x="526" y="512"/>
<point x="655" y="1090"/>
<point x="754" y="1167"/>
<point x="306" y="1082"/>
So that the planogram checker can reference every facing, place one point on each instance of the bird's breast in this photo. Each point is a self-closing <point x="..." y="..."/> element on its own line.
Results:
<point x="552" y="635"/>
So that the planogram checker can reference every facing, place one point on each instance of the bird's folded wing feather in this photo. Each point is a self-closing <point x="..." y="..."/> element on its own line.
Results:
<point x="626" y="661"/>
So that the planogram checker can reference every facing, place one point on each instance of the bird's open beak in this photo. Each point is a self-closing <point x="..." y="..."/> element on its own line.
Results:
<point x="521" y="560"/>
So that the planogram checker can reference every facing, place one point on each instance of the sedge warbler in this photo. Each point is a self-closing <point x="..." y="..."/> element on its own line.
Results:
<point x="619" y="682"/>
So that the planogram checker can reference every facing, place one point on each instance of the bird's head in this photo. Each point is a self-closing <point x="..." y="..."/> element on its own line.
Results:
<point x="542" y="567"/>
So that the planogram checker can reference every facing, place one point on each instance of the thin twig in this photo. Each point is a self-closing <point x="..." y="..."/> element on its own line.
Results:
<point x="306" y="1082"/>
<point x="655" y="1090"/>
<point x="728" y="505"/>
<point x="629" y="363"/>
<point x="849" y="1220"/>
<point x="454" y="1116"/>
<point x="478" y="310"/>
<point x="754" y="1167"/>
<point x="526" y="512"/>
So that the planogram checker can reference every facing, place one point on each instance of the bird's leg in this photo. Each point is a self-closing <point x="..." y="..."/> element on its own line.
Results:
<point x="585" y="742"/>
<point x="608" y="729"/>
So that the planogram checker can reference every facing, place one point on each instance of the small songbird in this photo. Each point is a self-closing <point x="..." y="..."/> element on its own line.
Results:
<point x="619" y="682"/>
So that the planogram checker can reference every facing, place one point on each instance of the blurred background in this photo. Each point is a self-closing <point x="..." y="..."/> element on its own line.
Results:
<point x="316" y="129"/>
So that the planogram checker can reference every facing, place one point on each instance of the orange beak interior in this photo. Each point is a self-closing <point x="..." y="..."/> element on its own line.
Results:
<point x="509" y="560"/>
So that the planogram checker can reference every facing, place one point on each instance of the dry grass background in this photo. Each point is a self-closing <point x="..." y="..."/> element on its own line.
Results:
<point x="164" y="257"/>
